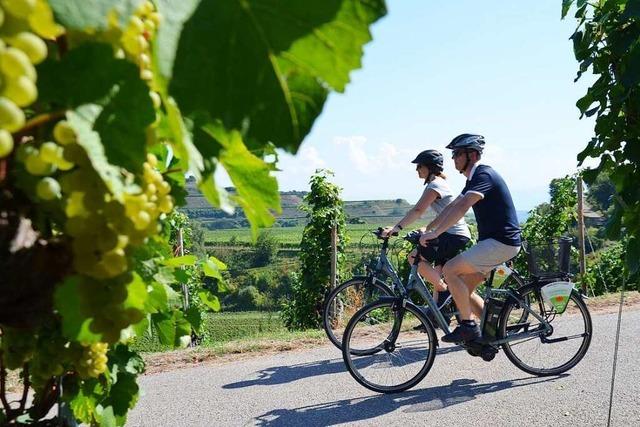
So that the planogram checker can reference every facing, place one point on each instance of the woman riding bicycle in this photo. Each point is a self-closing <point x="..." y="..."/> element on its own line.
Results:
<point x="437" y="195"/>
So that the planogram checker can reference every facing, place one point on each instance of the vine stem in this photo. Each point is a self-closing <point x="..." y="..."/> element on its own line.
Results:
<point x="26" y="386"/>
<point x="3" y="378"/>
<point x="37" y="121"/>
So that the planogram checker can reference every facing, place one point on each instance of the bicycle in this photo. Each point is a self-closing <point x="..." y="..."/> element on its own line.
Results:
<point x="390" y="345"/>
<point x="346" y="299"/>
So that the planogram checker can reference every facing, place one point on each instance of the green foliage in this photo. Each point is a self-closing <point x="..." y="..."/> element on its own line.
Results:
<point x="220" y="328"/>
<point x="607" y="42"/>
<point x="129" y="102"/>
<point x="605" y="269"/>
<point x="550" y="220"/>
<point x="601" y="193"/>
<point x="325" y="210"/>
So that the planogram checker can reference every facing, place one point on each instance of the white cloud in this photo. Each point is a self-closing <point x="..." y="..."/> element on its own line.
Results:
<point x="368" y="159"/>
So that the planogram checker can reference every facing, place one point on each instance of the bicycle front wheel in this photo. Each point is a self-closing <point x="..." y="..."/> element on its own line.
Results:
<point x="343" y="302"/>
<point x="405" y="342"/>
<point x="545" y="353"/>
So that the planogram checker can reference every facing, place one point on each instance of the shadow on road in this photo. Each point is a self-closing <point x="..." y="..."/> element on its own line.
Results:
<point x="428" y="399"/>
<point x="286" y="374"/>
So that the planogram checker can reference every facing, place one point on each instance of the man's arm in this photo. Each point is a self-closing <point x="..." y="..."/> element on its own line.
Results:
<point x="445" y="212"/>
<point x="457" y="211"/>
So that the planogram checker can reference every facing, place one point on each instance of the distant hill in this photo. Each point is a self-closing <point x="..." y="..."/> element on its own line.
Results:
<point x="377" y="212"/>
<point x="365" y="211"/>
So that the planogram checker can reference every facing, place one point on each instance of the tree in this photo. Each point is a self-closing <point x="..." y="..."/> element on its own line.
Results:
<point x="265" y="249"/>
<point x="325" y="210"/>
<point x="607" y="42"/>
<point x="601" y="193"/>
<point x="106" y="106"/>
<point x="550" y="220"/>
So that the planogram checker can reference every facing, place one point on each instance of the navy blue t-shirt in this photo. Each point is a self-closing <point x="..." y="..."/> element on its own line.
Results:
<point x="495" y="213"/>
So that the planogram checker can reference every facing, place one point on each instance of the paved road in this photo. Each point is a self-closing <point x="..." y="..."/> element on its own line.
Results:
<point x="312" y="388"/>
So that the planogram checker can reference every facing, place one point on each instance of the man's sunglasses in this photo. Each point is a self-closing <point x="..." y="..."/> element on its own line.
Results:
<point x="456" y="153"/>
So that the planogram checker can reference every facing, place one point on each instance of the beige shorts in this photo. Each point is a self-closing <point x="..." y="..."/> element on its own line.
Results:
<point x="488" y="254"/>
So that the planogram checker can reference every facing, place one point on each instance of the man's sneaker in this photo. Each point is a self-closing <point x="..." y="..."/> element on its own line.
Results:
<point x="463" y="333"/>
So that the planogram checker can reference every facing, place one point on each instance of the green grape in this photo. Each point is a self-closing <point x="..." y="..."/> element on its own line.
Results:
<point x="48" y="189"/>
<point x="32" y="45"/>
<point x="133" y="315"/>
<point x="64" y="133"/>
<point x="20" y="90"/>
<point x="15" y="63"/>
<point x="73" y="153"/>
<point x="146" y="75"/>
<point x="141" y="220"/>
<point x="108" y="239"/>
<point x="19" y="8"/>
<point x="50" y="152"/>
<point x="155" y="98"/>
<point x="93" y="361"/>
<point x="6" y="143"/>
<point x="115" y="262"/>
<point x="76" y="226"/>
<point x="11" y="117"/>
<point x="38" y="167"/>
<point x="75" y="205"/>
<point x="136" y="24"/>
<point x="62" y="164"/>
<point x="165" y="204"/>
<point x="17" y="347"/>
<point x="24" y="151"/>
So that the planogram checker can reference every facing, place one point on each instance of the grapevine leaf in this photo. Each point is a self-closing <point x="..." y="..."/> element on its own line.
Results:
<point x="210" y="300"/>
<point x="187" y="152"/>
<point x="81" y="120"/>
<point x="633" y="254"/>
<point x="164" y="325"/>
<point x="566" y="5"/>
<point x="76" y="15"/>
<point x="182" y="328"/>
<point x="123" y="395"/>
<point x="136" y="293"/>
<point x="216" y="196"/>
<point x="180" y="261"/>
<point x="106" y="417"/>
<point x="174" y="16"/>
<point x="212" y="268"/>
<point x="257" y="190"/>
<point x="83" y="405"/>
<point x="90" y="74"/>
<point x="268" y="65"/>
<point x="126" y="360"/>
<point x="194" y="317"/>
<point x="67" y="302"/>
<point x="157" y="300"/>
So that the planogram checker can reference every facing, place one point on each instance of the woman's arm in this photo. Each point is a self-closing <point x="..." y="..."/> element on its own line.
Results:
<point x="428" y="196"/>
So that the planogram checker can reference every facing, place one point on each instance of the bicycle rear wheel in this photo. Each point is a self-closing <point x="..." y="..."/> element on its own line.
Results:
<point x="546" y="353"/>
<point x="405" y="341"/>
<point x="343" y="302"/>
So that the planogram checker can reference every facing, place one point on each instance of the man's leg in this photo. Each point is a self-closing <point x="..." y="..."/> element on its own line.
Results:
<point x="454" y="272"/>
<point x="477" y="303"/>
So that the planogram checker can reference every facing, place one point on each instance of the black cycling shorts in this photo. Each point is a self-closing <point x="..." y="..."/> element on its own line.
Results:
<point x="448" y="246"/>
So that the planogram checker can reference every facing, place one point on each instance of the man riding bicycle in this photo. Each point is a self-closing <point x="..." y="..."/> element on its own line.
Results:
<point x="498" y="232"/>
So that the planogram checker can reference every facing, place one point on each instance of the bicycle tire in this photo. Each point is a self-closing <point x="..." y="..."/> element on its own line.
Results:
<point x="561" y="323"/>
<point x="417" y="347"/>
<point x="334" y="329"/>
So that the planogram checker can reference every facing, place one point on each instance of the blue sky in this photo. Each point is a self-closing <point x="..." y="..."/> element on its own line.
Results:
<point x="435" y="69"/>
